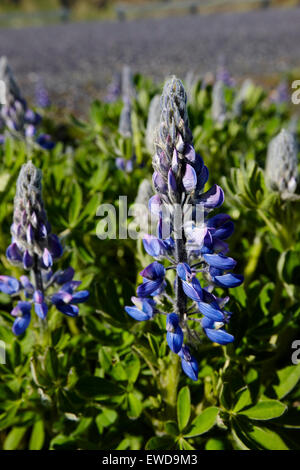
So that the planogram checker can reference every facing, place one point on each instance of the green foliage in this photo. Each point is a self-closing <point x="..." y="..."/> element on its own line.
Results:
<point x="103" y="381"/>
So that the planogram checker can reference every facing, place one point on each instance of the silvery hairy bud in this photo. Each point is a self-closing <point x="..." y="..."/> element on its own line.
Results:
<point x="125" y="128"/>
<point x="218" y="107"/>
<point x="282" y="163"/>
<point x="14" y="109"/>
<point x="152" y="123"/>
<point x="32" y="240"/>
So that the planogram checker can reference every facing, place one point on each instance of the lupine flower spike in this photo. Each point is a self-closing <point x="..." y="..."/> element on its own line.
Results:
<point x="282" y="164"/>
<point x="35" y="248"/>
<point x="188" y="245"/>
<point x="16" y="117"/>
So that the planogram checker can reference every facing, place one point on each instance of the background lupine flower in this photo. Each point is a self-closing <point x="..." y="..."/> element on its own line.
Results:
<point x="35" y="248"/>
<point x="242" y="96"/>
<point x="282" y="163"/>
<point x="128" y="87"/>
<point x="114" y="89"/>
<point x="280" y="94"/>
<point x="125" y="128"/>
<point x="218" y="107"/>
<point x="152" y="123"/>
<point x="188" y="245"/>
<point x="41" y="95"/>
<point x="224" y="76"/>
<point x="16" y="117"/>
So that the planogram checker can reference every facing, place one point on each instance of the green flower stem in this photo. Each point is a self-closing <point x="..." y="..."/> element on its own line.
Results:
<point x="254" y="256"/>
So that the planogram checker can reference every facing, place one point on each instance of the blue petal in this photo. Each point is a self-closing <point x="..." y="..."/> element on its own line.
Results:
<point x="148" y="287"/>
<point x="193" y="289"/>
<point x="64" y="276"/>
<point x="172" y="322"/>
<point x="190" y="368"/>
<point x="225" y="231"/>
<point x="13" y="253"/>
<point x="70" y="286"/>
<point x="229" y="280"/>
<point x="67" y="309"/>
<point x="190" y="153"/>
<point x="27" y="260"/>
<point x="20" y="324"/>
<point x="218" y="220"/>
<point x="218" y="336"/>
<point x="152" y="245"/>
<point x="202" y="177"/>
<point x="41" y="310"/>
<point x="9" y="285"/>
<point x="172" y="185"/>
<point x="137" y="314"/>
<point x="175" y="340"/>
<point x="211" y="311"/>
<point x="55" y="246"/>
<point x="155" y="204"/>
<point x="80" y="296"/>
<point x="220" y="261"/>
<point x="154" y="271"/>
<point x="213" y="198"/>
<point x="159" y="183"/>
<point x="184" y="271"/>
<point x="189" y="179"/>
<point x="47" y="258"/>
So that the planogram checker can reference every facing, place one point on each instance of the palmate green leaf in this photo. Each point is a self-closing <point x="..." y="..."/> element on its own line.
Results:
<point x="243" y="400"/>
<point x="185" y="445"/>
<point x="248" y="436"/>
<point x="132" y="366"/>
<point x="265" y="410"/>
<point x="37" y="437"/>
<point x="215" y="444"/>
<point x="63" y="443"/>
<point x="203" y="422"/>
<point x="183" y="407"/>
<point x="288" y="379"/>
<point x="135" y="406"/>
<point x="106" y="418"/>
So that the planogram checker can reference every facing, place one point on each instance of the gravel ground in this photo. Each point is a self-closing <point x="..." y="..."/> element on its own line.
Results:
<point x="76" y="61"/>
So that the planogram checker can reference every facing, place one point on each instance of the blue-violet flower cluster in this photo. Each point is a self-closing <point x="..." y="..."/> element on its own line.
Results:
<point x="187" y="239"/>
<point x="34" y="247"/>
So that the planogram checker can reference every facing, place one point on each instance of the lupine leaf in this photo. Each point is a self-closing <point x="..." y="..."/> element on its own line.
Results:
<point x="264" y="410"/>
<point x="183" y="407"/>
<point x="203" y="422"/>
<point x="288" y="379"/>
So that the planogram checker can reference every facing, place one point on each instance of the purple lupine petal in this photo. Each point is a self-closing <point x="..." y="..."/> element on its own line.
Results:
<point x="155" y="204"/>
<point x="193" y="289"/>
<point x="47" y="258"/>
<point x="175" y="162"/>
<point x="213" y="198"/>
<point x="210" y="311"/>
<point x="225" y="231"/>
<point x="172" y="322"/>
<point x="41" y="309"/>
<point x="219" y="336"/>
<point x="148" y="287"/>
<point x="9" y="285"/>
<point x="229" y="280"/>
<point x="38" y="297"/>
<point x="188" y="363"/>
<point x="154" y="271"/>
<point x="220" y="261"/>
<point x="70" y="286"/>
<point x="55" y="246"/>
<point x="61" y="296"/>
<point x="80" y="296"/>
<point x="68" y="309"/>
<point x="152" y="245"/>
<point x="64" y="276"/>
<point x="202" y="177"/>
<point x="190" y="153"/>
<point x="137" y="314"/>
<point x="189" y="179"/>
<point x="28" y="286"/>
<point x="159" y="183"/>
<point x="218" y="220"/>
<point x="20" y="324"/>
<point x="175" y="339"/>
<point x="172" y="185"/>
<point x="13" y="253"/>
<point x="27" y="260"/>
<point x="184" y="272"/>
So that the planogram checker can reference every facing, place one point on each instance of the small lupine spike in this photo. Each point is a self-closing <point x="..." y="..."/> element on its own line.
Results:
<point x="152" y="123"/>
<point x="218" y="108"/>
<point x="282" y="163"/>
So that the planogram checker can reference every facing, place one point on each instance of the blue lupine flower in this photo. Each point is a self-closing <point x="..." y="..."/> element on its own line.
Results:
<point x="191" y="245"/>
<point x="188" y="363"/>
<point x="174" y="333"/>
<point x="35" y="247"/>
<point x="143" y="309"/>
